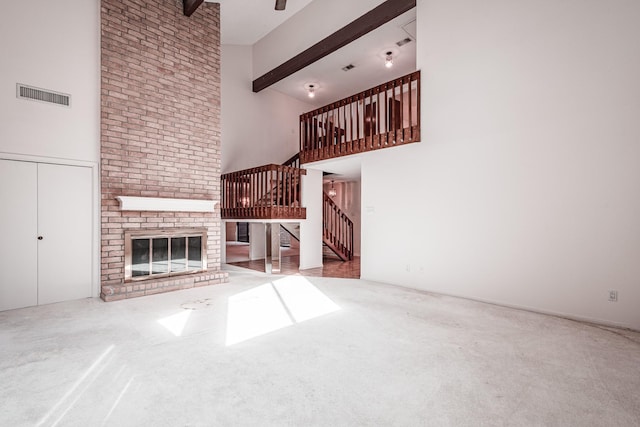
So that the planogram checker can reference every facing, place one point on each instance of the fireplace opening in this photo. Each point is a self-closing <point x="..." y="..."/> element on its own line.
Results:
<point x="169" y="252"/>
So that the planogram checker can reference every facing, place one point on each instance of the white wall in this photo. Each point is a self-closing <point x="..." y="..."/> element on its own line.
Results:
<point x="316" y="21"/>
<point x="52" y="45"/>
<point x="55" y="46"/>
<point x="257" y="128"/>
<point x="311" y="227"/>
<point x="525" y="188"/>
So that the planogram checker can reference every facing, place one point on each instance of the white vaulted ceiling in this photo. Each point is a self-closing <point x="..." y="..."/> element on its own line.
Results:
<point x="245" y="22"/>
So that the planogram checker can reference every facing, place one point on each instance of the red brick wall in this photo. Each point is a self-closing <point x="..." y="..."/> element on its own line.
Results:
<point x="160" y="129"/>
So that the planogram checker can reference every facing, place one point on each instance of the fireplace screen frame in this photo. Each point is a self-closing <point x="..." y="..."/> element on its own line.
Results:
<point x="168" y="234"/>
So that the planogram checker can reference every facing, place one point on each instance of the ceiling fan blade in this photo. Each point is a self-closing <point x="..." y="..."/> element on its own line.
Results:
<point x="281" y="4"/>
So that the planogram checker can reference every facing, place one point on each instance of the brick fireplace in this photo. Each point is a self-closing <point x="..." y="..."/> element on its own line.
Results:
<point x="160" y="134"/>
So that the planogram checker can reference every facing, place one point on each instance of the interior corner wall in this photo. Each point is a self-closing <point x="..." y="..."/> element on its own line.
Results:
<point x="524" y="189"/>
<point x="52" y="46"/>
<point x="257" y="128"/>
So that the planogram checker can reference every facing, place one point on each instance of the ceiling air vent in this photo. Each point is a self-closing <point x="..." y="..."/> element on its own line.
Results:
<point x="348" y="67"/>
<point x="42" y="95"/>
<point x="403" y="42"/>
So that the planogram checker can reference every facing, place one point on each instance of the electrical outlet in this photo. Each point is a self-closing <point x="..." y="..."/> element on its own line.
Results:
<point x="613" y="296"/>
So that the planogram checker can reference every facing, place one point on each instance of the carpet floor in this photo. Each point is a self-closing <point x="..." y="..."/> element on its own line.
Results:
<point x="310" y="351"/>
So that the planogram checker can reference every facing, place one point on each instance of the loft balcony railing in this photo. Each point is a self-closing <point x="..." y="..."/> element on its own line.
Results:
<point x="266" y="192"/>
<point x="384" y="116"/>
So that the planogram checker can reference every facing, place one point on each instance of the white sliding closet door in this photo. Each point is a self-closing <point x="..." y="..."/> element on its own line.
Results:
<point x="18" y="231"/>
<point x="64" y="223"/>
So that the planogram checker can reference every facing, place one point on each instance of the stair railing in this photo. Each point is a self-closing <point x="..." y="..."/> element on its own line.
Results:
<point x="337" y="229"/>
<point x="294" y="161"/>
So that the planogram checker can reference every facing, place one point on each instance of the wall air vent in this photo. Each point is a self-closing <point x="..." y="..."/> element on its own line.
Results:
<point x="348" y="67"/>
<point x="42" y="95"/>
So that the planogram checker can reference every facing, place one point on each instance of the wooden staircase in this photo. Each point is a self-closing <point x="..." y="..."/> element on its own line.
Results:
<point x="333" y="246"/>
<point x="337" y="229"/>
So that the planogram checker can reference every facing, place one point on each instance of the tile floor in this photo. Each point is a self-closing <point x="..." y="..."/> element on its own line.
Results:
<point x="238" y="255"/>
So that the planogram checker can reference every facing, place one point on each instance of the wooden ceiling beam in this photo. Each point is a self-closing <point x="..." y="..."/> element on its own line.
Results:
<point x="190" y="6"/>
<point x="371" y="20"/>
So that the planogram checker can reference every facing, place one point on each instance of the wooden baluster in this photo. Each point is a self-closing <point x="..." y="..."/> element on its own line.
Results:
<point x="410" y="113"/>
<point x="332" y="132"/>
<point x="341" y="243"/>
<point x="261" y="197"/>
<point x="340" y="128"/>
<point x="369" y="141"/>
<point x="328" y="213"/>
<point x="289" y="201"/>
<point x="263" y="193"/>
<point x="334" y="129"/>
<point x="326" y="133"/>
<point x="325" y="217"/>
<point x="358" y="121"/>
<point x="285" y="187"/>
<point x="350" y="125"/>
<point x="417" y="106"/>
<point x="351" y="242"/>
<point x="386" y="121"/>
<point x="395" y="113"/>
<point x="264" y="203"/>
<point x="223" y="184"/>
<point x="257" y="199"/>
<point x="280" y="186"/>
<point x="330" y="216"/>
<point x="303" y="133"/>
<point x="402" y="110"/>
<point x="295" y="189"/>
<point x="237" y="196"/>
<point x="378" y="129"/>
<point x="333" y="225"/>
<point x="338" y="227"/>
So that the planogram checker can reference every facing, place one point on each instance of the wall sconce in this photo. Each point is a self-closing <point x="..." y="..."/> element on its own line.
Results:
<point x="311" y="89"/>
<point x="332" y="190"/>
<point x="388" y="60"/>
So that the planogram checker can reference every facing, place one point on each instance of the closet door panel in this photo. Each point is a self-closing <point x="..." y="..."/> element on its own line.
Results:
<point x="18" y="234"/>
<point x="64" y="222"/>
